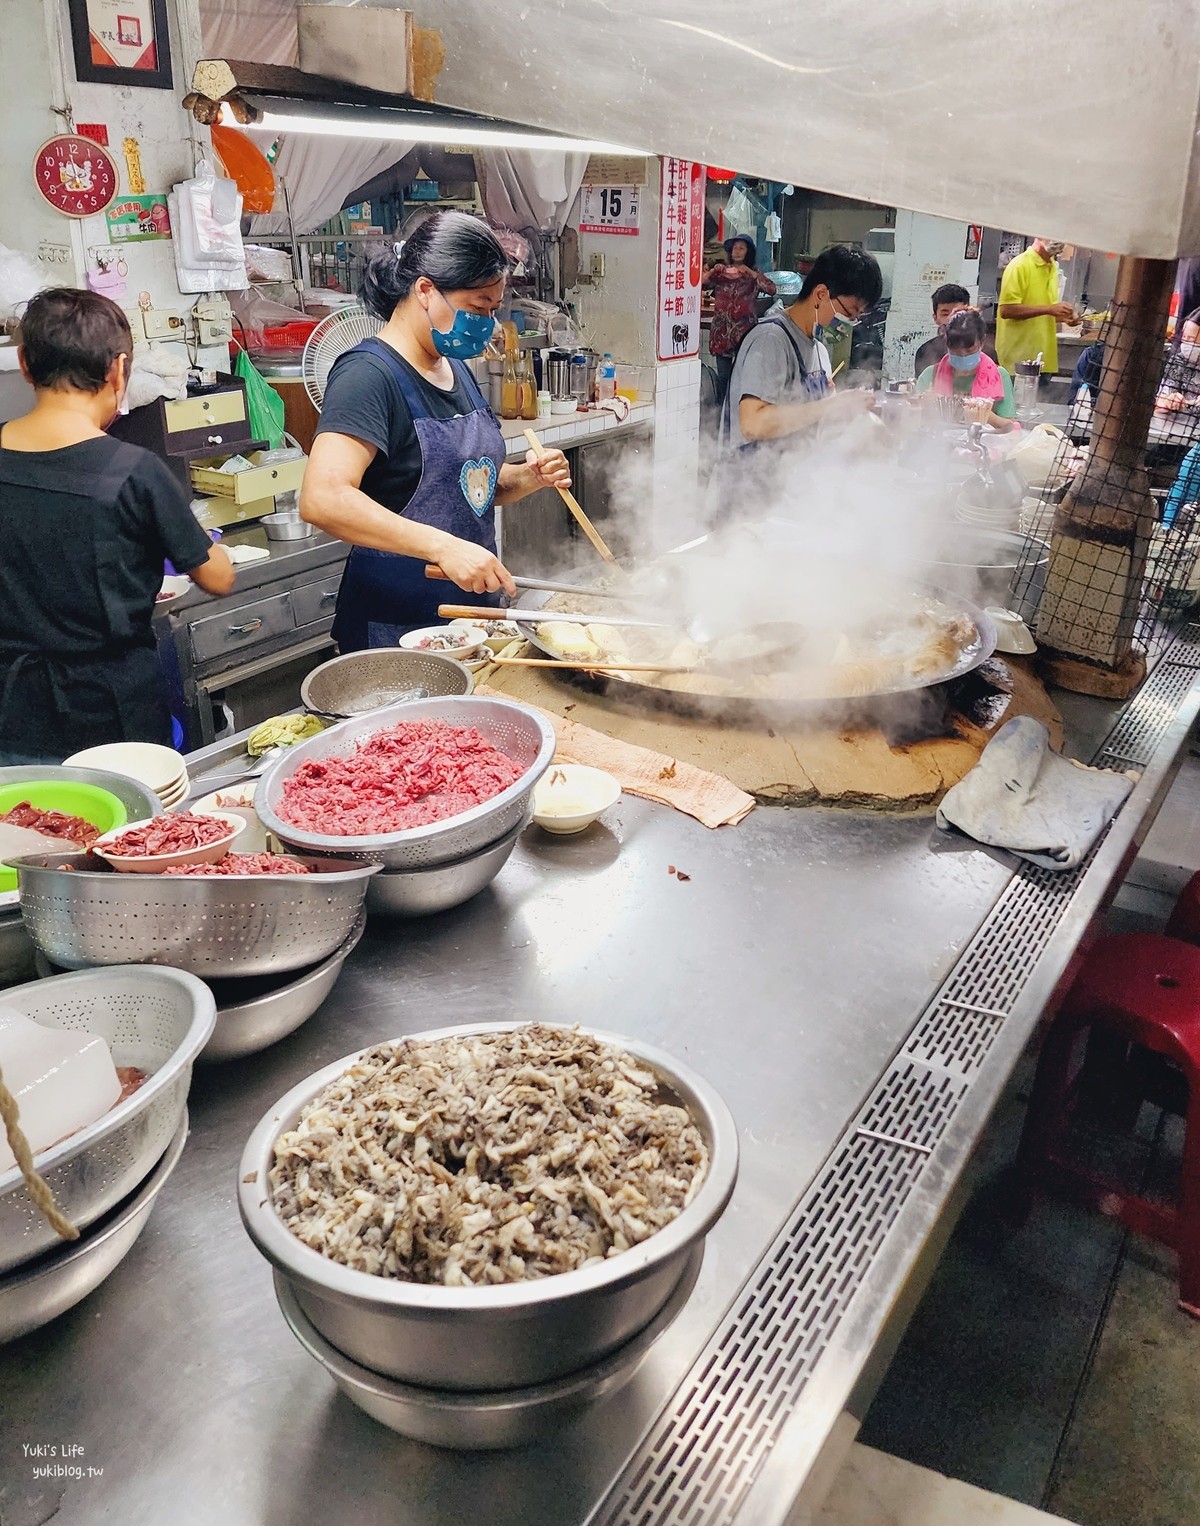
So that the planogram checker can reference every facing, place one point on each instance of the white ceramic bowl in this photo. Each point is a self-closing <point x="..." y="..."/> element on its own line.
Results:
<point x="469" y="648"/>
<point x="147" y="762"/>
<point x="237" y="800"/>
<point x="1012" y="634"/>
<point x="174" y="586"/>
<point x="570" y="796"/>
<point x="155" y="863"/>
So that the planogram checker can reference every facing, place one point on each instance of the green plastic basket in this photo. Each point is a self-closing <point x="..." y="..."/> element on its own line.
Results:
<point x="89" y="801"/>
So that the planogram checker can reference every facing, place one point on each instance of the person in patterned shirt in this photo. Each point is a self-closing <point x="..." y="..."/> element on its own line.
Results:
<point x="736" y="285"/>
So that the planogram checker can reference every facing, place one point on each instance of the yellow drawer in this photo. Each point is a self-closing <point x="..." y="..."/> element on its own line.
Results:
<point x="197" y="412"/>
<point x="247" y="487"/>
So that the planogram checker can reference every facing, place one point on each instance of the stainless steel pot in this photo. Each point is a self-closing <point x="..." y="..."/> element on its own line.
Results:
<point x="507" y="1336"/>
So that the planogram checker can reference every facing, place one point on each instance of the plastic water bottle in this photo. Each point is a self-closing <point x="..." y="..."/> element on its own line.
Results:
<point x="606" y="379"/>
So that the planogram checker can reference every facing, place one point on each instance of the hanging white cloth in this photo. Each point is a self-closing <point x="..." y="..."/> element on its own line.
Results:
<point x="528" y="188"/>
<point x="320" y="174"/>
<point x="262" y="31"/>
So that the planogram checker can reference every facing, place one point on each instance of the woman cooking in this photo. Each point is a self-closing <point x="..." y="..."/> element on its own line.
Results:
<point x="965" y="372"/>
<point x="408" y="463"/>
<point x="86" y="523"/>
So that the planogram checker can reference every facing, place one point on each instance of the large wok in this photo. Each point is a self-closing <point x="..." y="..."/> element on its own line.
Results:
<point x="732" y="706"/>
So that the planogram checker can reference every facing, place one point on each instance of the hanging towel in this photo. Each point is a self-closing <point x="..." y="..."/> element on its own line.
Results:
<point x="1023" y="797"/>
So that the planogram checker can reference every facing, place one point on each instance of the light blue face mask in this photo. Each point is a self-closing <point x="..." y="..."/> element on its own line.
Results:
<point x="964" y="362"/>
<point x="468" y="336"/>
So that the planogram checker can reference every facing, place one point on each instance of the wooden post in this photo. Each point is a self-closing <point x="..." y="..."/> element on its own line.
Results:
<point x="1102" y="529"/>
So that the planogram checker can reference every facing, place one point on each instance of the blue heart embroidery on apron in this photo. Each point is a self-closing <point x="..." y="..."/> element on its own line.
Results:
<point x="478" y="482"/>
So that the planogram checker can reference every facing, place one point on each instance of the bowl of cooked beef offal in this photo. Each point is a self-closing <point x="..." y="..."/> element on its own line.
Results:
<point x="488" y="1206"/>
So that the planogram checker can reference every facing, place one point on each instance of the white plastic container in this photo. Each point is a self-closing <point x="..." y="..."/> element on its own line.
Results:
<point x="62" y="1080"/>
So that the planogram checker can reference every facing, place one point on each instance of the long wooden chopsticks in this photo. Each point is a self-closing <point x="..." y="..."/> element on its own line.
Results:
<point x="572" y="503"/>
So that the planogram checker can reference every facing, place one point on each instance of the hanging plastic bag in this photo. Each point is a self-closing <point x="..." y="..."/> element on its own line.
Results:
<point x="1037" y="455"/>
<point x="263" y="403"/>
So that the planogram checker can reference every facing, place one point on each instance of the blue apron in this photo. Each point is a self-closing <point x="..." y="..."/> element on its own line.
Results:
<point x="383" y="595"/>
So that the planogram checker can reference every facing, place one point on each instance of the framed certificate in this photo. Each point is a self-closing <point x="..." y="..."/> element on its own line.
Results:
<point x="121" y="42"/>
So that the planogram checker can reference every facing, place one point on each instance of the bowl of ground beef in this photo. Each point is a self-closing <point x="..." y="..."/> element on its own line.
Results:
<point x="410" y="786"/>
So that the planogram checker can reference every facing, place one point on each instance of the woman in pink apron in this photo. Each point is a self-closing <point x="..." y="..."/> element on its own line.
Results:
<point x="966" y="372"/>
<point x="408" y="464"/>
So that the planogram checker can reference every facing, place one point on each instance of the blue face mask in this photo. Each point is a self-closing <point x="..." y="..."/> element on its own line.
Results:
<point x="964" y="362"/>
<point x="468" y="336"/>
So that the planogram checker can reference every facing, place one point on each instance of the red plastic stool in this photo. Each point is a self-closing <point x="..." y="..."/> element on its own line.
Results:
<point x="1185" y="919"/>
<point x="1133" y="988"/>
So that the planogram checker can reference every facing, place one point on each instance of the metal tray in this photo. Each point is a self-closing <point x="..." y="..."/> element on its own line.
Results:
<point x="208" y="925"/>
<point x="158" y="1020"/>
<point x="33" y="1295"/>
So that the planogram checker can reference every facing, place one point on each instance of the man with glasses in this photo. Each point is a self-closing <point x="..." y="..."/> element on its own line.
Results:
<point x="781" y="385"/>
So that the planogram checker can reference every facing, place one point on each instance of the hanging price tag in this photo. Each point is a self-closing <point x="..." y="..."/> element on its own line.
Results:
<point x="609" y="209"/>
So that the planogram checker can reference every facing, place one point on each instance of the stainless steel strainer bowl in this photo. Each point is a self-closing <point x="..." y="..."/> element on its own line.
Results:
<point x="158" y="1020"/>
<point x="522" y="733"/>
<point x="208" y="925"/>
<point x="358" y="682"/>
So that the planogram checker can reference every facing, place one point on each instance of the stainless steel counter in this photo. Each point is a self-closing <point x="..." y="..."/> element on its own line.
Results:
<point x="796" y="969"/>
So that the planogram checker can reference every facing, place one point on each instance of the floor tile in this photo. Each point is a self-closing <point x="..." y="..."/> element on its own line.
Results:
<point x="875" y="1489"/>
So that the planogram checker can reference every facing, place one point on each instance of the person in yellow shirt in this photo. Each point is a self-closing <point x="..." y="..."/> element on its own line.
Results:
<point x="1029" y="310"/>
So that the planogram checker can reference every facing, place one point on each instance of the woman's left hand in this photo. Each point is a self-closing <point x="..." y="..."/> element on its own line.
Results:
<point x="551" y="469"/>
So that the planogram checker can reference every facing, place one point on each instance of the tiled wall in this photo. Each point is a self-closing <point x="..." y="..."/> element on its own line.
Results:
<point x="676" y="452"/>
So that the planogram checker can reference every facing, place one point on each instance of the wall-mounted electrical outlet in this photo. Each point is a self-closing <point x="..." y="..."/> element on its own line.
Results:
<point x="214" y="322"/>
<point x="596" y="266"/>
<point x="161" y="323"/>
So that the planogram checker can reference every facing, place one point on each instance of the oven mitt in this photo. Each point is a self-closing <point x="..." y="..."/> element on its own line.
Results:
<point x="1023" y="797"/>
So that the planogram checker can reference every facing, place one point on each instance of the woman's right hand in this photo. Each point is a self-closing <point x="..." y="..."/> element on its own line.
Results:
<point x="474" y="568"/>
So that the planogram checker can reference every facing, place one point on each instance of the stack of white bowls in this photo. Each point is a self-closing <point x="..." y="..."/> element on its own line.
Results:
<point x="161" y="769"/>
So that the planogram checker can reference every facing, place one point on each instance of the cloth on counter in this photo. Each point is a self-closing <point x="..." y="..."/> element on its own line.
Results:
<point x="711" y="799"/>
<point x="155" y="374"/>
<point x="1023" y="797"/>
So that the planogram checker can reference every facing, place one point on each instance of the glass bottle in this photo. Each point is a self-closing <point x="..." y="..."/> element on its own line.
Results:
<point x="528" y="386"/>
<point x="510" y="388"/>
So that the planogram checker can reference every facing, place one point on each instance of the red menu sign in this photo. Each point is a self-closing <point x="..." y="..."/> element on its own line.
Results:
<point x="680" y="259"/>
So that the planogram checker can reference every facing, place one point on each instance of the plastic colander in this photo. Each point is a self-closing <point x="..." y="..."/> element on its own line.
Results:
<point x="95" y="805"/>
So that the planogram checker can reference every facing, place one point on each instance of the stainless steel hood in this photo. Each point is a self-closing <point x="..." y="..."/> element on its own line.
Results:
<point x="1074" y="119"/>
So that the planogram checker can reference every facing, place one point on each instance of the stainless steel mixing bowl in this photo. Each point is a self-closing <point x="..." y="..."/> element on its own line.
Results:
<point x="508" y="1417"/>
<point x="250" y="1018"/>
<point x="508" y="1336"/>
<point x="33" y="1295"/>
<point x="524" y="735"/>
<point x="422" y="892"/>
<point x="207" y="924"/>
<point x="158" y="1020"/>
<point x="357" y="682"/>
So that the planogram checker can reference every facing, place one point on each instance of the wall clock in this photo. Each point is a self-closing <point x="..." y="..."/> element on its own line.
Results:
<point x="76" y="175"/>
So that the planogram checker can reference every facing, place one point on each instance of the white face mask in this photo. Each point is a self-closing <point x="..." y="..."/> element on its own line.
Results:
<point x="1191" y="353"/>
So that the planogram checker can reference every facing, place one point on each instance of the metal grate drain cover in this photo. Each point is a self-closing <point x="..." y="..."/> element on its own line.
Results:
<point x="700" y="1457"/>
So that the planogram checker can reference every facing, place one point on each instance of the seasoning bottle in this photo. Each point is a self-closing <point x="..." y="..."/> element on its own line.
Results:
<point x="528" y="386"/>
<point x="510" y="388"/>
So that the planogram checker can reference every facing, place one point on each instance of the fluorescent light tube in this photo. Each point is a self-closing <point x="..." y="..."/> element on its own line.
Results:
<point x="421" y="129"/>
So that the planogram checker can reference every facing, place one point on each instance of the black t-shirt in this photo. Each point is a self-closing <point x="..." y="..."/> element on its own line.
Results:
<point x="85" y="531"/>
<point x="929" y="353"/>
<point x="363" y="399"/>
